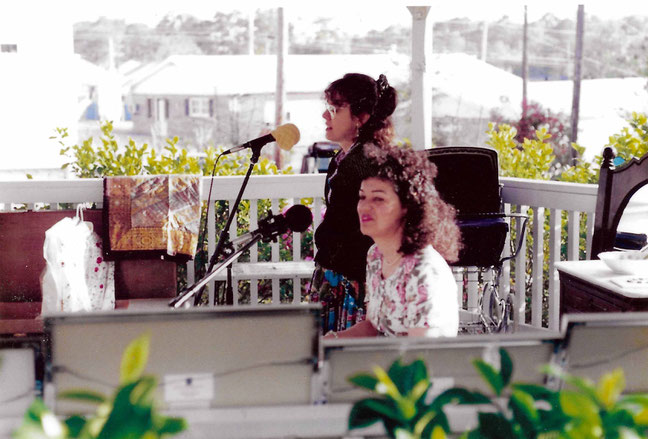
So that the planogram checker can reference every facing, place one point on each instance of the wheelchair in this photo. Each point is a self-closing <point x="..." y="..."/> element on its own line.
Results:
<point x="468" y="179"/>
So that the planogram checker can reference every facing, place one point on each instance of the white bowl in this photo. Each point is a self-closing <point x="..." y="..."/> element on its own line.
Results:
<point x="625" y="262"/>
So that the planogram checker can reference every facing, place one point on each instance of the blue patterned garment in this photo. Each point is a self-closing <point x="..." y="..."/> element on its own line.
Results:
<point x="342" y="299"/>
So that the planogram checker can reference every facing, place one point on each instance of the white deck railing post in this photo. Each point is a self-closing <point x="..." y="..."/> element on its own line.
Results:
<point x="537" y="268"/>
<point x="553" y="300"/>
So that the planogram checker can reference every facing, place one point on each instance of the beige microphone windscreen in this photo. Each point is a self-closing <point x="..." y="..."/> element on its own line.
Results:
<point x="286" y="136"/>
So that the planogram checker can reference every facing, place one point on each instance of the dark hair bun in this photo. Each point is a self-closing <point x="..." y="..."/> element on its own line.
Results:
<point x="387" y="98"/>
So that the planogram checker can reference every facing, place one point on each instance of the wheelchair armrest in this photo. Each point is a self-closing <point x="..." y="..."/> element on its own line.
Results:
<point x="461" y="217"/>
<point x="630" y="241"/>
<point x="520" y="237"/>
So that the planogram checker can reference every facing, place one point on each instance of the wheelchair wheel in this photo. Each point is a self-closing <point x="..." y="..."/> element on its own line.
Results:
<point x="490" y="308"/>
<point x="505" y="325"/>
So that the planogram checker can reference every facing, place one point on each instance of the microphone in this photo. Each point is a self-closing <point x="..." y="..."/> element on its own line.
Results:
<point x="296" y="219"/>
<point x="286" y="136"/>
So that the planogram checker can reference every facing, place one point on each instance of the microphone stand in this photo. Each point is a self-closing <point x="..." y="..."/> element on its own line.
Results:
<point x="186" y="294"/>
<point x="224" y="245"/>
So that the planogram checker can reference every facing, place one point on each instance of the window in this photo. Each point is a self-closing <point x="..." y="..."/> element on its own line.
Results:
<point x="199" y="107"/>
<point x="8" y="48"/>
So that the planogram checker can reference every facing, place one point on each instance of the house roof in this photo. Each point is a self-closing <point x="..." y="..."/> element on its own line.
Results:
<point x="255" y="74"/>
<point x="466" y="87"/>
<point x="128" y="67"/>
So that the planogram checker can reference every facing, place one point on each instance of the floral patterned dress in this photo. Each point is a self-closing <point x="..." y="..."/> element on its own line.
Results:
<point x="421" y="293"/>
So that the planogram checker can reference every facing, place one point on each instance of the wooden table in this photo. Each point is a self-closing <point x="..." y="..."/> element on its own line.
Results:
<point x="586" y="286"/>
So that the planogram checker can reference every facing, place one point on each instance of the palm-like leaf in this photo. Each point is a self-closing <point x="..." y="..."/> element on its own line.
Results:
<point x="134" y="359"/>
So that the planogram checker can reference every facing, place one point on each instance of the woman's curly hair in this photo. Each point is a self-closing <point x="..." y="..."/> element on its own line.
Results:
<point x="428" y="220"/>
<point x="378" y="99"/>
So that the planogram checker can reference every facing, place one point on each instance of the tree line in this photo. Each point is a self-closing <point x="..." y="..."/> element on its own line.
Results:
<point x="613" y="48"/>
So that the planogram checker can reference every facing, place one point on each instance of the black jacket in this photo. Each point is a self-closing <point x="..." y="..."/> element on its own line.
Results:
<point x="341" y="246"/>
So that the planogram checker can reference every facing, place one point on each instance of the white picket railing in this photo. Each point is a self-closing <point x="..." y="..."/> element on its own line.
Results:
<point x="547" y="199"/>
<point x="543" y="198"/>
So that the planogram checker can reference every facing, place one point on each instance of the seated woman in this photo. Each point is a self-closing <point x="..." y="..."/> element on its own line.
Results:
<point x="410" y="287"/>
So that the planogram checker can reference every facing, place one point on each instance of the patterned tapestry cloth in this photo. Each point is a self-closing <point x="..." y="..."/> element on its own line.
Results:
<point x="152" y="213"/>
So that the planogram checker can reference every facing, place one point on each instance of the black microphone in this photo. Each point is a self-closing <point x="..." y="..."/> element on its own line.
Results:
<point x="286" y="137"/>
<point x="296" y="219"/>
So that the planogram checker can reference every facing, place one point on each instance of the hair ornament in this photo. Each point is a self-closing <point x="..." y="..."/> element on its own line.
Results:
<point x="382" y="84"/>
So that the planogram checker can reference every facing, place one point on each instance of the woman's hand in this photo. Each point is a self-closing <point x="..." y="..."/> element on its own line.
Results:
<point x="362" y="329"/>
<point x="417" y="332"/>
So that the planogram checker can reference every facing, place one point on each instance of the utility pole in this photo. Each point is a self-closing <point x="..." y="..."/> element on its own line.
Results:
<point x="111" y="54"/>
<point x="525" y="65"/>
<point x="250" y="50"/>
<point x="578" y="62"/>
<point x="484" y="41"/>
<point x="280" y="96"/>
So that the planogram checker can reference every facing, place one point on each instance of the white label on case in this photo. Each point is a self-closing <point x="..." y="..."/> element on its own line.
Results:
<point x="182" y="388"/>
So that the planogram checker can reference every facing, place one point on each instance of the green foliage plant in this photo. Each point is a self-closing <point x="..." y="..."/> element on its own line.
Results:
<point x="632" y="141"/>
<point x="582" y="171"/>
<point x="581" y="410"/>
<point x="601" y="410"/>
<point x="400" y="402"/>
<point x="130" y="413"/>
<point x="87" y="160"/>
<point x="532" y="159"/>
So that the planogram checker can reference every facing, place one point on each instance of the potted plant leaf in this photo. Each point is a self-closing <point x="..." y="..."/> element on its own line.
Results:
<point x="580" y="410"/>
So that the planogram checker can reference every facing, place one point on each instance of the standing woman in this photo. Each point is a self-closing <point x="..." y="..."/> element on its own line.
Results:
<point x="358" y="110"/>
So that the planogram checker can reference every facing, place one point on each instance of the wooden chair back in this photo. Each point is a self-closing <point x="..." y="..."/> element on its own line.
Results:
<point x="616" y="187"/>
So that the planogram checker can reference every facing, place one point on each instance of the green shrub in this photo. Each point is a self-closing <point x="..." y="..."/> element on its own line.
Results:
<point x="632" y="141"/>
<point x="531" y="159"/>
<point x="582" y="410"/>
<point x="399" y="403"/>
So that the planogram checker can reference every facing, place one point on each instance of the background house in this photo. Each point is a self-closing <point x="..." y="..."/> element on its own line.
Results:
<point x="228" y="99"/>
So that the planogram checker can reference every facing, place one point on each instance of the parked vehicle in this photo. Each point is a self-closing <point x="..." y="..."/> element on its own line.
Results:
<point x="318" y="157"/>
